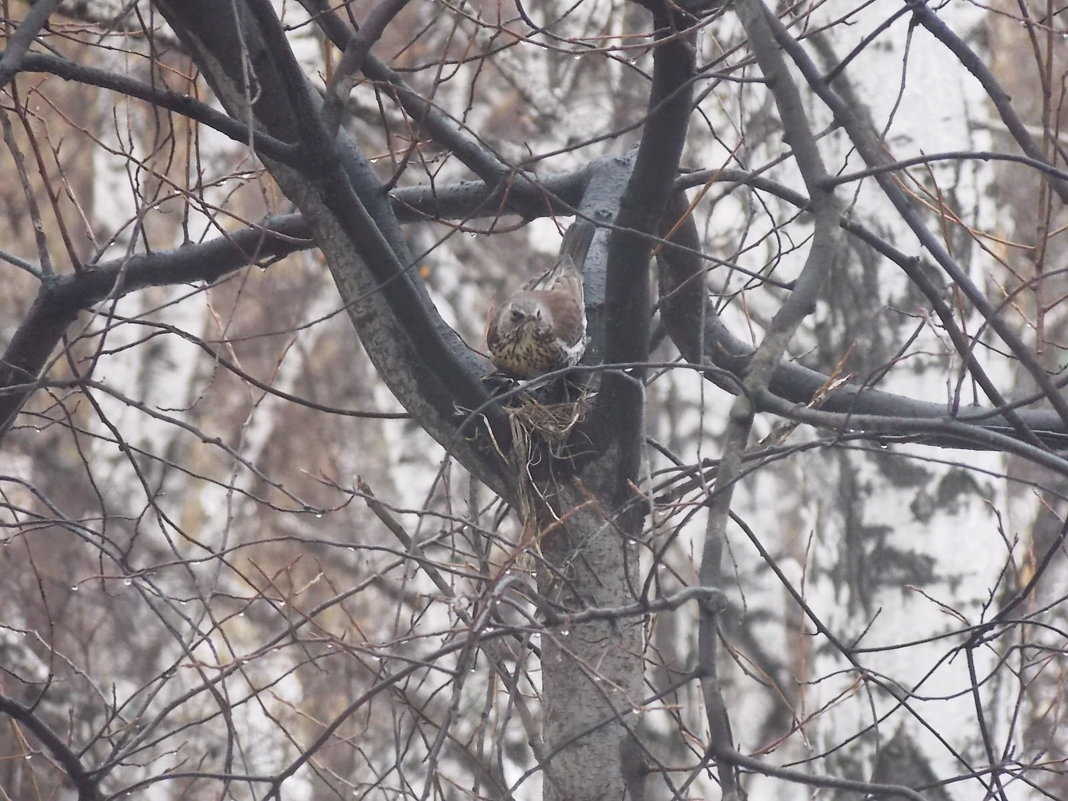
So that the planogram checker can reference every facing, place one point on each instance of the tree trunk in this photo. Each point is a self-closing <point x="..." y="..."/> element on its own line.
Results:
<point x="591" y="671"/>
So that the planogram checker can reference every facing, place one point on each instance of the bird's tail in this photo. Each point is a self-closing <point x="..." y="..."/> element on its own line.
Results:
<point x="577" y="240"/>
<point x="565" y="273"/>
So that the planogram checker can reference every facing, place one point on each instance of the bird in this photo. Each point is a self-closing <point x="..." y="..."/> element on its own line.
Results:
<point x="541" y="327"/>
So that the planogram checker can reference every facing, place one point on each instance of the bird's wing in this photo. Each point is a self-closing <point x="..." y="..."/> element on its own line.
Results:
<point x="568" y="319"/>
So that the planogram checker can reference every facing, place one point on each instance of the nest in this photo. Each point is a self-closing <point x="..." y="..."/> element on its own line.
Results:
<point x="549" y="424"/>
<point x="541" y="438"/>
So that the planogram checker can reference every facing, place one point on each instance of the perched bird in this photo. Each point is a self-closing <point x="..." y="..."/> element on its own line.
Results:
<point x="542" y="326"/>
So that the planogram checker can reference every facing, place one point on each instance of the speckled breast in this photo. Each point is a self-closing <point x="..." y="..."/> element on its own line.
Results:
<point x="528" y="354"/>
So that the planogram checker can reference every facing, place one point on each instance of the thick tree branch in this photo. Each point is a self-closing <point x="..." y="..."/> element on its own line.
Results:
<point x="82" y="779"/>
<point x="874" y="155"/>
<point x="430" y="370"/>
<point x="608" y="178"/>
<point x="702" y="337"/>
<point x="813" y="780"/>
<point x="799" y="304"/>
<point x="944" y="431"/>
<point x="19" y="42"/>
<point x="618" y="416"/>
<point x="356" y="53"/>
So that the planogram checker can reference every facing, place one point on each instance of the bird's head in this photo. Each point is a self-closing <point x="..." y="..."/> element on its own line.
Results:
<point x="520" y="312"/>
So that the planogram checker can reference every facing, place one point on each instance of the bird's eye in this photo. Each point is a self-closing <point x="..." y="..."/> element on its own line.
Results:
<point x="517" y="315"/>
